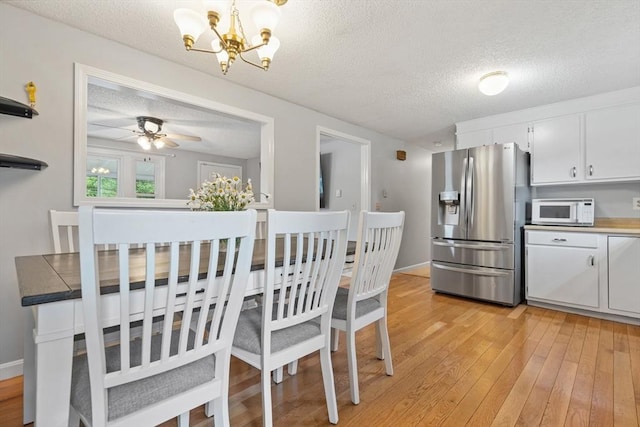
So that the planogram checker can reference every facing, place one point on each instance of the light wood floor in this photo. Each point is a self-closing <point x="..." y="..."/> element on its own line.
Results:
<point x="457" y="362"/>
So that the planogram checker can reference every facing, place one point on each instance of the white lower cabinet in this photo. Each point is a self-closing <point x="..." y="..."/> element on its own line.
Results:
<point x="562" y="268"/>
<point x="624" y="273"/>
<point x="593" y="273"/>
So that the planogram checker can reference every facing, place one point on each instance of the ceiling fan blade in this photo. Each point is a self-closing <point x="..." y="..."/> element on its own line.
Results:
<point x="108" y="126"/>
<point x="168" y="143"/>
<point x="183" y="137"/>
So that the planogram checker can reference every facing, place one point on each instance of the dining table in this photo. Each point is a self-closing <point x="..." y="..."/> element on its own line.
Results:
<point x="49" y="285"/>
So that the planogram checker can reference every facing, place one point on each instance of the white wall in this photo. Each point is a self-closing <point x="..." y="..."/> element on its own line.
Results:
<point x="343" y="176"/>
<point x="36" y="49"/>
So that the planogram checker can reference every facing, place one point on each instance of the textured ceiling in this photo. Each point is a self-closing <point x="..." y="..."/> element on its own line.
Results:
<point x="406" y="68"/>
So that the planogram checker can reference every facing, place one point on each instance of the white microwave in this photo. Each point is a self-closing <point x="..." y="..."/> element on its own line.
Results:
<point x="577" y="212"/>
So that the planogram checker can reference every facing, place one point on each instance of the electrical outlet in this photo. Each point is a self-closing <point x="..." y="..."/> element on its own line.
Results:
<point x="378" y="206"/>
<point x="636" y="203"/>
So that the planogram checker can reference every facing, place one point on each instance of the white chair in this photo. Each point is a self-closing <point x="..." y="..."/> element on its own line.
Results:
<point x="149" y="380"/>
<point x="365" y="301"/>
<point x="64" y="224"/>
<point x="294" y="319"/>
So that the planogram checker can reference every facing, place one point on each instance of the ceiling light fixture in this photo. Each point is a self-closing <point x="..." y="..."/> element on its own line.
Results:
<point x="150" y="127"/>
<point x="493" y="83"/>
<point x="232" y="42"/>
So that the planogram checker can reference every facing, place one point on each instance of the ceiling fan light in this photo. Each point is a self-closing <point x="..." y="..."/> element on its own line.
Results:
<point x="158" y="143"/>
<point x="144" y="142"/>
<point x="267" y="51"/>
<point x="266" y="14"/>
<point x="493" y="83"/>
<point x="190" y="23"/>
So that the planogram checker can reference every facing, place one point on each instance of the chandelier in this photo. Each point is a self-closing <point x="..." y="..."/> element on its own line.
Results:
<point x="232" y="42"/>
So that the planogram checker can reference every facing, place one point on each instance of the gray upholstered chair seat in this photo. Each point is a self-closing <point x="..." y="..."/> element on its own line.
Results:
<point x="128" y="398"/>
<point x="249" y="329"/>
<point x="362" y="307"/>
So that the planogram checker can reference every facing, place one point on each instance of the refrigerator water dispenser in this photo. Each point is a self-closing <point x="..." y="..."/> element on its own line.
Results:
<point x="449" y="209"/>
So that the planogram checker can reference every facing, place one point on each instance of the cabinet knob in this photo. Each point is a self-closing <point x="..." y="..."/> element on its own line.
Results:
<point x="559" y="240"/>
<point x="573" y="172"/>
<point x="591" y="260"/>
<point x="590" y="170"/>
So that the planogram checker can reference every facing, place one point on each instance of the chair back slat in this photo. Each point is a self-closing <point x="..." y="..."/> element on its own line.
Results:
<point x="124" y="290"/>
<point x="63" y="224"/>
<point x="308" y="283"/>
<point x="176" y="246"/>
<point x="379" y="238"/>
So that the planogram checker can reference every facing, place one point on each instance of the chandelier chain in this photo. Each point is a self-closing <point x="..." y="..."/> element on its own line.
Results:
<point x="236" y="14"/>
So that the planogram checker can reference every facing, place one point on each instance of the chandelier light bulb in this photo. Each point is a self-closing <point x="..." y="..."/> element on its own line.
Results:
<point x="493" y="83"/>
<point x="266" y="14"/>
<point x="222" y="55"/>
<point x="190" y="23"/>
<point x="158" y="143"/>
<point x="267" y="51"/>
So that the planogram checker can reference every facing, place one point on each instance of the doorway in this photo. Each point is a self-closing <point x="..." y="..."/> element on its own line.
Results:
<point x="343" y="164"/>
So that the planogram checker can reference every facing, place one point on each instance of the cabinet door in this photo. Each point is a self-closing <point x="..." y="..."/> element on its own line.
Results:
<point x="518" y="133"/>
<point x="612" y="140"/>
<point x="562" y="275"/>
<point x="555" y="151"/>
<point x="476" y="138"/>
<point x="624" y="274"/>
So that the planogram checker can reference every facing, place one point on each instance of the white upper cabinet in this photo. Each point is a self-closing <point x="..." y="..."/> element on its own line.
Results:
<point x="612" y="143"/>
<point x="555" y="151"/>
<point x="584" y="140"/>
<point x="518" y="133"/>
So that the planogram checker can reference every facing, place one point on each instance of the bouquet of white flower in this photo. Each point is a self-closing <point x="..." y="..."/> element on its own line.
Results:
<point x="221" y="194"/>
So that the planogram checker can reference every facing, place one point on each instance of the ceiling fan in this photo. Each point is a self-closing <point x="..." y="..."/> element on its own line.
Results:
<point x="149" y="134"/>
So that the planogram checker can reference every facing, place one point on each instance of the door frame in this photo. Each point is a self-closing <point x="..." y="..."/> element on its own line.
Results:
<point x="365" y="164"/>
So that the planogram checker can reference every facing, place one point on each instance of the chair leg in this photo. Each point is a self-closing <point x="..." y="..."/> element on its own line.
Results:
<point x="267" y="420"/>
<point x="379" y="342"/>
<point x="353" y="367"/>
<point x="335" y="338"/>
<point x="220" y="410"/>
<point x="278" y="375"/>
<point x="183" y="419"/>
<point x="292" y="368"/>
<point x="329" y="385"/>
<point x="74" y="417"/>
<point x="386" y="345"/>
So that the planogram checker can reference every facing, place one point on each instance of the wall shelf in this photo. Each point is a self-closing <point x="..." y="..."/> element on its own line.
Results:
<point x="15" y="108"/>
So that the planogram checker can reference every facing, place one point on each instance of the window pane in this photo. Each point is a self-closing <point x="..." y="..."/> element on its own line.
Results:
<point x="145" y="180"/>
<point x="101" y="177"/>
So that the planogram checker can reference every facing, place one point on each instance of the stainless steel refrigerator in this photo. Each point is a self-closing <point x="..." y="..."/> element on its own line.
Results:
<point x="481" y="200"/>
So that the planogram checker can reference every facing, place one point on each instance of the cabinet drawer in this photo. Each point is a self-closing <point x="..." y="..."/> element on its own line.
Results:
<point x="552" y="238"/>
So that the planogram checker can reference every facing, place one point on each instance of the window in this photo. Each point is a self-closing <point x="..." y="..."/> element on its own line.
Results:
<point x="102" y="176"/>
<point x="117" y="173"/>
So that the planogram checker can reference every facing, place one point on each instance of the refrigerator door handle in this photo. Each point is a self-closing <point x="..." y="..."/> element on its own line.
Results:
<point x="470" y="271"/>
<point x="471" y="246"/>
<point x="469" y="194"/>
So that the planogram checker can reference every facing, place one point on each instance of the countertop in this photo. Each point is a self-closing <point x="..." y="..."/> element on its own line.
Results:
<point x="601" y="225"/>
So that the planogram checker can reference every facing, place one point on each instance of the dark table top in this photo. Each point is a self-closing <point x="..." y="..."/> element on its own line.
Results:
<point x="56" y="277"/>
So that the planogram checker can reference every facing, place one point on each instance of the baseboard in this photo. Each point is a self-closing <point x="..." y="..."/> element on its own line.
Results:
<point x="10" y="369"/>
<point x="411" y="267"/>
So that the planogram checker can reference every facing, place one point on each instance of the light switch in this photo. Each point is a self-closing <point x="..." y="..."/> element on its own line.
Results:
<point x="338" y="193"/>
